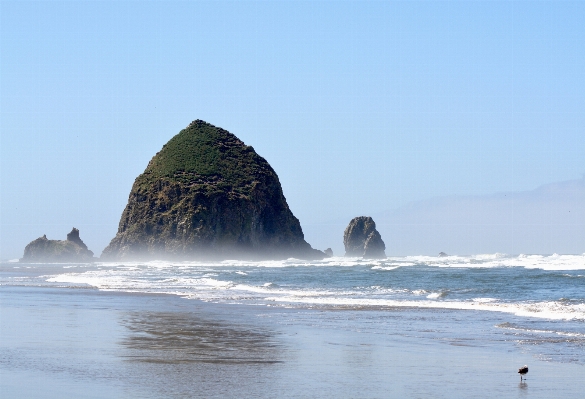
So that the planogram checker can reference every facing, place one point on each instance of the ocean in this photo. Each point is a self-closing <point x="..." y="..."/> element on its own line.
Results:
<point x="526" y="308"/>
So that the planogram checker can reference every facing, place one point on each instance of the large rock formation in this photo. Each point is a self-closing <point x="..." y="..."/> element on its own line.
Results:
<point x="361" y="239"/>
<point x="70" y="250"/>
<point x="207" y="195"/>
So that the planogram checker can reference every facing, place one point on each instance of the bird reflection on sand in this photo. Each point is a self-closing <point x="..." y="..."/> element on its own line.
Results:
<point x="523" y="385"/>
<point x="183" y="337"/>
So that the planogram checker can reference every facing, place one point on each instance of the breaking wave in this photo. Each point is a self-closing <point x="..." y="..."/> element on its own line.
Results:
<point x="541" y="286"/>
<point x="211" y="289"/>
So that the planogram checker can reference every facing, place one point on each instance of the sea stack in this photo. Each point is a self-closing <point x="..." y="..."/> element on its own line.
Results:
<point x="73" y="249"/>
<point x="208" y="196"/>
<point x="361" y="239"/>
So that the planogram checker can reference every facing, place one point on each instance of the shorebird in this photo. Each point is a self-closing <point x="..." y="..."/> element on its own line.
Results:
<point x="522" y="371"/>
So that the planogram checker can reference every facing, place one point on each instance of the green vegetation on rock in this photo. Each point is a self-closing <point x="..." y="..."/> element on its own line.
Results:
<point x="203" y="154"/>
<point x="208" y="195"/>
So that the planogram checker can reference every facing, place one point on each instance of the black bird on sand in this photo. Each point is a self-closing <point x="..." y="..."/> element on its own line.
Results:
<point x="522" y="371"/>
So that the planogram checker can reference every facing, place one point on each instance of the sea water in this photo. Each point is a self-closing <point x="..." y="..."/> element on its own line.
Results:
<point x="535" y="302"/>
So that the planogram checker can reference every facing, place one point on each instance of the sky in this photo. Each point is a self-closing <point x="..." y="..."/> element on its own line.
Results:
<point x="360" y="107"/>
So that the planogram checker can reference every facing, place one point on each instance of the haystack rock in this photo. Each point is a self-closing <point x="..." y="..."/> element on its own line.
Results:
<point x="361" y="239"/>
<point x="73" y="249"/>
<point x="208" y="196"/>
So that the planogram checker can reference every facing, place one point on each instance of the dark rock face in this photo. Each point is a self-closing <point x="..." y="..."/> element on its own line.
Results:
<point x="442" y="254"/>
<point x="70" y="250"/>
<point x="73" y="236"/>
<point x="328" y="252"/>
<point x="207" y="195"/>
<point x="361" y="239"/>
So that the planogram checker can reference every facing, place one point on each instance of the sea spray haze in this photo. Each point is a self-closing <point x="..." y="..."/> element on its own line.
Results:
<point x="207" y="195"/>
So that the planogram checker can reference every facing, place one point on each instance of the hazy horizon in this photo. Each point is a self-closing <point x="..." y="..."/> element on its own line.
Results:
<point x="360" y="107"/>
<point x="548" y="219"/>
<point x="552" y="216"/>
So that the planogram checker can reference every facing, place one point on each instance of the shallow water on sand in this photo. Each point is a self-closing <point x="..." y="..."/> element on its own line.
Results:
<point x="537" y="302"/>
<point x="83" y="343"/>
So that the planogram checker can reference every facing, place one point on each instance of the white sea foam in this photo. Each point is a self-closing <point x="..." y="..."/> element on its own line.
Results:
<point x="213" y="282"/>
<point x="484" y="300"/>
<point x="385" y="267"/>
<point x="212" y="289"/>
<point x="545" y="262"/>
<point x="509" y="326"/>
<point x="94" y="281"/>
<point x="546" y="310"/>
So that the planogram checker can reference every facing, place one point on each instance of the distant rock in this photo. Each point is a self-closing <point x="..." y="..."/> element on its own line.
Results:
<point x="208" y="196"/>
<point x="70" y="250"/>
<point x="73" y="236"/>
<point x="361" y="239"/>
<point x="329" y="252"/>
<point x="442" y="254"/>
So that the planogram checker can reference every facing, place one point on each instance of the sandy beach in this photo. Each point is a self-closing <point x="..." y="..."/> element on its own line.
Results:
<point x="84" y="343"/>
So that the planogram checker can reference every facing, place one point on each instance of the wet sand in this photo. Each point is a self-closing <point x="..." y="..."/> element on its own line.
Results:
<point x="82" y="343"/>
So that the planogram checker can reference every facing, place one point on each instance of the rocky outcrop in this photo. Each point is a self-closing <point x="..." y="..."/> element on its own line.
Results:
<point x="328" y="252"/>
<point x="70" y="250"/>
<point x="207" y="195"/>
<point x="361" y="239"/>
<point x="73" y="236"/>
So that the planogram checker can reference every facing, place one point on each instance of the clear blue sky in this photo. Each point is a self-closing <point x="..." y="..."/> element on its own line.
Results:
<point x="360" y="107"/>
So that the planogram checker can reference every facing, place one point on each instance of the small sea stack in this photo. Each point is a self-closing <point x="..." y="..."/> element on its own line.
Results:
<point x="73" y="249"/>
<point x="361" y="239"/>
<point x="208" y="196"/>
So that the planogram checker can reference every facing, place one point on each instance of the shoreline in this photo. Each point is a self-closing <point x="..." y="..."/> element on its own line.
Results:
<point x="100" y="344"/>
<point x="546" y="310"/>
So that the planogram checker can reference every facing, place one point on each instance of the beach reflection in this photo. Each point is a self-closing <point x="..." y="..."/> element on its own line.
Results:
<point x="183" y="337"/>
